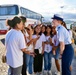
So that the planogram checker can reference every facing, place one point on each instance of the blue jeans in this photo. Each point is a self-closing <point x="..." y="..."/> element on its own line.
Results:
<point x="47" y="60"/>
<point x="57" y="53"/>
<point x="29" y="63"/>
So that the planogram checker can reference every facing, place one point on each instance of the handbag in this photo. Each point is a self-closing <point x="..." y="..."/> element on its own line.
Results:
<point x="4" y="58"/>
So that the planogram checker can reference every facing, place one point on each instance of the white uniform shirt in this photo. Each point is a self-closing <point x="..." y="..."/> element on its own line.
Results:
<point x="63" y="35"/>
<point x="14" y="43"/>
<point x="47" y="47"/>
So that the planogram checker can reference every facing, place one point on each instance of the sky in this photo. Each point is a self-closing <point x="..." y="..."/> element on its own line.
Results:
<point x="67" y="8"/>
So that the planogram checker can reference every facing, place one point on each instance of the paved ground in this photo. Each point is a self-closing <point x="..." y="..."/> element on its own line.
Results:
<point x="4" y="67"/>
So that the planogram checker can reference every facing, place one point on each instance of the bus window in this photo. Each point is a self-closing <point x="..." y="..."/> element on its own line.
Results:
<point x="8" y="10"/>
<point x="1" y="26"/>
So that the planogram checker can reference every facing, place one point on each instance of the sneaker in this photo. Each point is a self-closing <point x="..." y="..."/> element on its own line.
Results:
<point x="40" y="73"/>
<point x="49" y="72"/>
<point x="45" y="72"/>
<point x="31" y="74"/>
<point x="35" y="74"/>
<point x="57" y="73"/>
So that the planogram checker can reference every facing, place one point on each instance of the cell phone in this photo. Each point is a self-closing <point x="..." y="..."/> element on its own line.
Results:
<point x="27" y="28"/>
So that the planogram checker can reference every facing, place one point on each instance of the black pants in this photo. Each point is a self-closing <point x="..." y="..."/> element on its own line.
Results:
<point x="38" y="61"/>
<point x="24" y="65"/>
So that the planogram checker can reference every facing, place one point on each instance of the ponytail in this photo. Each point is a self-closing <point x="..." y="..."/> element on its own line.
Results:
<point x="12" y="23"/>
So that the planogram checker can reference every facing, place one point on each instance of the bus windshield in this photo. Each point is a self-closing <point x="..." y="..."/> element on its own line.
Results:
<point x="8" y="10"/>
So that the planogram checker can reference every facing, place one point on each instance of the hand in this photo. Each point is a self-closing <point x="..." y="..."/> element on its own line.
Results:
<point x="61" y="52"/>
<point x="32" y="54"/>
<point x="60" y="57"/>
<point x="47" y="42"/>
<point x="54" y="52"/>
<point x="54" y="48"/>
<point x="50" y="40"/>
<point x="38" y="37"/>
<point x="42" y="52"/>
<point x="35" y="39"/>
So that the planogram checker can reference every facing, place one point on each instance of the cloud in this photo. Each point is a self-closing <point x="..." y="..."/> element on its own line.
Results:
<point x="37" y="5"/>
<point x="47" y="7"/>
<point x="69" y="16"/>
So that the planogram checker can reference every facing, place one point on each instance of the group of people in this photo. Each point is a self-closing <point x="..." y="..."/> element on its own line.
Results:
<point x="28" y="47"/>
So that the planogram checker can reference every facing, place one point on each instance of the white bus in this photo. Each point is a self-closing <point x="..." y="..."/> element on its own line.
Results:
<point x="9" y="11"/>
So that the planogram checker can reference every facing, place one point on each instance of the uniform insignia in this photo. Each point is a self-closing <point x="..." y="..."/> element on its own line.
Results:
<point x="58" y="28"/>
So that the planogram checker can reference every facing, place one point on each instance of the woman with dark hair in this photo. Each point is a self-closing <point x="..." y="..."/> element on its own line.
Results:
<point x="43" y="29"/>
<point x="30" y="47"/>
<point x="55" y="49"/>
<point x="38" y="49"/>
<point x="24" y="58"/>
<point x="48" y="51"/>
<point x="15" y="46"/>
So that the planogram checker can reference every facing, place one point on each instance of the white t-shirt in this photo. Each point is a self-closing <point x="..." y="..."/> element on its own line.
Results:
<point x="55" y="40"/>
<point x="14" y="43"/>
<point x="47" y="47"/>
<point x="30" y="47"/>
<point x="39" y="41"/>
<point x="38" y="44"/>
<point x="43" y="37"/>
